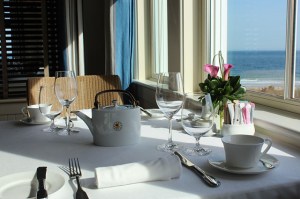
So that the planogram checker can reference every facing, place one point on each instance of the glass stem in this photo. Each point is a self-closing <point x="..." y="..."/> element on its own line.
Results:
<point x="197" y="143"/>
<point x="170" y="138"/>
<point x="68" y="118"/>
<point x="52" y="126"/>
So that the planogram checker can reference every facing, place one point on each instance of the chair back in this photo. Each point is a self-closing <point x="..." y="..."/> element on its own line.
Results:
<point x="88" y="86"/>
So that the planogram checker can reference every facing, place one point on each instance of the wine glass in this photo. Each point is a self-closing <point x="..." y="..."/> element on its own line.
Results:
<point x="169" y="99"/>
<point x="197" y="118"/>
<point x="66" y="92"/>
<point x="49" y="106"/>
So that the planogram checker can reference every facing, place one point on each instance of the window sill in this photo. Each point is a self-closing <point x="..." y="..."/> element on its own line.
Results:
<point x="11" y="101"/>
<point x="277" y="124"/>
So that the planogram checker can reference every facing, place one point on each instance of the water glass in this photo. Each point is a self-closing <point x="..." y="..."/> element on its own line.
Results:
<point x="48" y="99"/>
<point x="169" y="98"/>
<point x="66" y="93"/>
<point x="197" y="119"/>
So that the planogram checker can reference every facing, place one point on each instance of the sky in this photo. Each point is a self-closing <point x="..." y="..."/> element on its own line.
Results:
<point x="256" y="24"/>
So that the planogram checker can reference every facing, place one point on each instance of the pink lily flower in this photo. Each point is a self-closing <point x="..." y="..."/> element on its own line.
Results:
<point x="227" y="68"/>
<point x="211" y="69"/>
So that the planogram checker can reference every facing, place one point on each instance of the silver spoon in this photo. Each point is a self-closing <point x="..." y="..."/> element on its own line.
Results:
<point x="267" y="164"/>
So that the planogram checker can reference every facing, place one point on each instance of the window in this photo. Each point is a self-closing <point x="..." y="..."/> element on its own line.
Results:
<point x="29" y="43"/>
<point x="166" y="36"/>
<point x="175" y="39"/>
<point x="256" y="43"/>
<point x="256" y="36"/>
<point x="297" y="69"/>
<point x="160" y="36"/>
<point x="261" y="40"/>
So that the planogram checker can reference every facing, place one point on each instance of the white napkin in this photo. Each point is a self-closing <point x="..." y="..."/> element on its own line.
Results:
<point x="160" y="169"/>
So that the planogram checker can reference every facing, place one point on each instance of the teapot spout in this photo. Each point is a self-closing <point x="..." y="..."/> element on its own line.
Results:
<point x="87" y="120"/>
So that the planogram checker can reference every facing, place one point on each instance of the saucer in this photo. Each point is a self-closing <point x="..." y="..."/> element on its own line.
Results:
<point x="27" y="120"/>
<point x="25" y="184"/>
<point x="219" y="163"/>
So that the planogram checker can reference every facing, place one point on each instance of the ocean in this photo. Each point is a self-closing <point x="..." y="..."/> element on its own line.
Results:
<point x="261" y="68"/>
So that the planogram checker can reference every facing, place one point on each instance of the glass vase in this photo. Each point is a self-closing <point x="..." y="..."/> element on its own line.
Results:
<point x="219" y="120"/>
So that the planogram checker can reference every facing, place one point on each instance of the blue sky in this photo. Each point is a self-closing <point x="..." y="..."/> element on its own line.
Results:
<point x="256" y="24"/>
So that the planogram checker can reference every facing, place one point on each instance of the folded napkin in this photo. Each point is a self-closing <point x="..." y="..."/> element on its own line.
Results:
<point x="160" y="169"/>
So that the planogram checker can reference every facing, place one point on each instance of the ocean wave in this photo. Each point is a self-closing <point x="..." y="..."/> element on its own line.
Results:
<point x="264" y="82"/>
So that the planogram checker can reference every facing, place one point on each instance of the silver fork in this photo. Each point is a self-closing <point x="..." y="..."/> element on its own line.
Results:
<point x="75" y="172"/>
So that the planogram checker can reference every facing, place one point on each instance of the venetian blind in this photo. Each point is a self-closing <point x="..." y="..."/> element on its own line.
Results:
<point x="29" y="43"/>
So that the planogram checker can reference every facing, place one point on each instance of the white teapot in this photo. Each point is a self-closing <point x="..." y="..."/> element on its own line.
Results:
<point x="115" y="125"/>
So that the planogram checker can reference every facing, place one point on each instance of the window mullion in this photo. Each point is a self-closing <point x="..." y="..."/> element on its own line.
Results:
<point x="218" y="27"/>
<point x="290" y="63"/>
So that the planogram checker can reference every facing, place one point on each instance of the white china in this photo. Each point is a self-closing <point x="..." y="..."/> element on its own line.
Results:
<point x="234" y="129"/>
<point x="244" y="151"/>
<point x="197" y="119"/>
<point x="32" y="112"/>
<point x="28" y="121"/>
<point x="25" y="184"/>
<point x="220" y="163"/>
<point x="66" y="92"/>
<point x="114" y="125"/>
<point x="169" y="98"/>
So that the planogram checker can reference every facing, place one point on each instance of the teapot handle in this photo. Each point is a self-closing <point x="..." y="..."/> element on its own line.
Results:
<point x="116" y="91"/>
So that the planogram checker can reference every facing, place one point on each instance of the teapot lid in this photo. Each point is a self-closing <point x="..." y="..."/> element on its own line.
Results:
<point x="114" y="102"/>
<point x="115" y="106"/>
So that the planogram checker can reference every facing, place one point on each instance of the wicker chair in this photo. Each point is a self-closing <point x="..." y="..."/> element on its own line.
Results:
<point x="87" y="85"/>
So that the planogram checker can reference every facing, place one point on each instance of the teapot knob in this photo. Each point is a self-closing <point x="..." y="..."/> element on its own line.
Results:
<point x="115" y="103"/>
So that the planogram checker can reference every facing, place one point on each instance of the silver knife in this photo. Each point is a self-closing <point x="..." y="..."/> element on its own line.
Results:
<point x="208" y="179"/>
<point x="41" y="177"/>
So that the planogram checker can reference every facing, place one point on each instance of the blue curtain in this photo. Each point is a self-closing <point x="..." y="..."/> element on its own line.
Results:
<point x="124" y="40"/>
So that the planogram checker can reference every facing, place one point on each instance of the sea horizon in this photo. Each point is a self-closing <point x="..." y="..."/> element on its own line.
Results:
<point x="261" y="68"/>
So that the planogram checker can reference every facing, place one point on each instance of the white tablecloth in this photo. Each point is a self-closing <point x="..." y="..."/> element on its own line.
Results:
<point x="26" y="147"/>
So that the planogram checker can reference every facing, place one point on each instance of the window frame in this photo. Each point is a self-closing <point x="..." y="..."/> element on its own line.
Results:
<point x="211" y="21"/>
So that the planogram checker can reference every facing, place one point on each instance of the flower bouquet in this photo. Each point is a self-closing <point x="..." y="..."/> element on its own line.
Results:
<point x="221" y="86"/>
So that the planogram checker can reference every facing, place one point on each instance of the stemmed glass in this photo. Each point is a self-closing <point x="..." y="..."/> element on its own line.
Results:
<point x="66" y="93"/>
<point x="169" y="98"/>
<point x="49" y="106"/>
<point x="197" y="119"/>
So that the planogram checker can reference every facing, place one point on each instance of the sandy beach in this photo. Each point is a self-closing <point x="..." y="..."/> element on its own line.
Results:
<point x="273" y="90"/>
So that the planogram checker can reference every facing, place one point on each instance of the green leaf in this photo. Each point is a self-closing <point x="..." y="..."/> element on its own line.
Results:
<point x="221" y="90"/>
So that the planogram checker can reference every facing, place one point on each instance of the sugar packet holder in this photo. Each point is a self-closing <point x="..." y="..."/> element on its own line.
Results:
<point x="239" y="112"/>
<point x="238" y="118"/>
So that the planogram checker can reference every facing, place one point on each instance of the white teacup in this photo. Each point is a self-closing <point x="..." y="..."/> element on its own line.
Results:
<point x="33" y="112"/>
<point x="244" y="151"/>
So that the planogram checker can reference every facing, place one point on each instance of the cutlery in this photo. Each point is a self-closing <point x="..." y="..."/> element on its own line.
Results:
<point x="267" y="164"/>
<point x="145" y="111"/>
<point x="41" y="177"/>
<point x="75" y="172"/>
<point x="208" y="179"/>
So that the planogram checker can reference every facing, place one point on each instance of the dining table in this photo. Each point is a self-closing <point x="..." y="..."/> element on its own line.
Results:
<point x="25" y="147"/>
